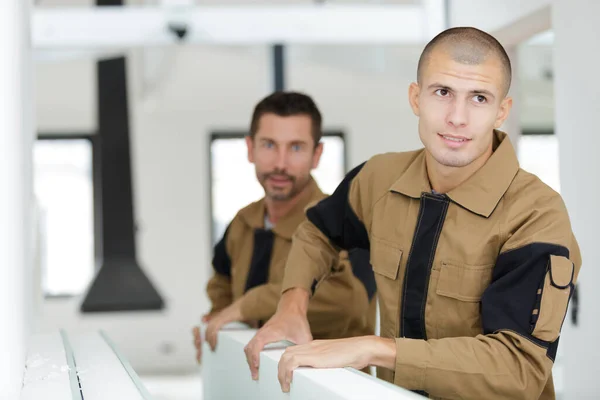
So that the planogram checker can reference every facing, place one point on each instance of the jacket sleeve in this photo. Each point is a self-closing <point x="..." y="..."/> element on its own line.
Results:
<point x="219" y="286"/>
<point x="522" y="313"/>
<point x="260" y="302"/>
<point x="359" y="261"/>
<point x="336" y="223"/>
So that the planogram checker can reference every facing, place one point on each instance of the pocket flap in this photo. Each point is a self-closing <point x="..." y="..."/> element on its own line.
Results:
<point x="555" y="294"/>
<point x="561" y="271"/>
<point x="385" y="258"/>
<point x="463" y="282"/>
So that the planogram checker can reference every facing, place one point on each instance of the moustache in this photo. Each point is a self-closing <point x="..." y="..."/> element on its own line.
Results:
<point x="279" y="175"/>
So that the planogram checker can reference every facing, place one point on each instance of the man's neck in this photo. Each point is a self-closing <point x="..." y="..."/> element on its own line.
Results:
<point x="278" y="209"/>
<point x="443" y="179"/>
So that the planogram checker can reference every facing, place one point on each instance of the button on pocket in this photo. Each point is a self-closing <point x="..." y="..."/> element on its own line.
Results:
<point x="555" y="299"/>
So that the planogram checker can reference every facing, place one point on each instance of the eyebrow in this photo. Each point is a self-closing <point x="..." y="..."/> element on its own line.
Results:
<point x="292" y="143"/>
<point x="474" y="91"/>
<point x="299" y="143"/>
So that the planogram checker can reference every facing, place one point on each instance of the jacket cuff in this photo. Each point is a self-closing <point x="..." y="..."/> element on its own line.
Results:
<point x="412" y="358"/>
<point x="297" y="276"/>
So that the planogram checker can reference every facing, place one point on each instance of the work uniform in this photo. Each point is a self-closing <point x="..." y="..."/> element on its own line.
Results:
<point x="249" y="262"/>
<point x="473" y="284"/>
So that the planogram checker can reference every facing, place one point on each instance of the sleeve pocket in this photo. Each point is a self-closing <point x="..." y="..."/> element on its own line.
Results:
<point x="385" y="258"/>
<point x="555" y="295"/>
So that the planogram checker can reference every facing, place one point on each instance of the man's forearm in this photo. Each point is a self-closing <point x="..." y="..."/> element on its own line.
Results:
<point x="294" y="300"/>
<point x="382" y="352"/>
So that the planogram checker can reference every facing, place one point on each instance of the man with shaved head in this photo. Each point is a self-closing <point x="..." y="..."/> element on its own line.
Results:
<point x="474" y="258"/>
<point x="467" y="46"/>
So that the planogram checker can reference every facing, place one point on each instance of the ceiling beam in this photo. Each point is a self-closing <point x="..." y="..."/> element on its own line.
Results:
<point x="107" y="28"/>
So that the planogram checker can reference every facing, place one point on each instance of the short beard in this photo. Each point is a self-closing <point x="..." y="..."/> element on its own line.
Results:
<point x="279" y="196"/>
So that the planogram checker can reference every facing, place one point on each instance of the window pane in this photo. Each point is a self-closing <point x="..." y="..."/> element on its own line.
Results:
<point x="331" y="168"/>
<point x="64" y="191"/>
<point x="538" y="154"/>
<point x="234" y="183"/>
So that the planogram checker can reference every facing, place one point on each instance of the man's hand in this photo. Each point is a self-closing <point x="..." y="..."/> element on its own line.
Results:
<point x="207" y="317"/>
<point x="230" y="314"/>
<point x="198" y="337"/>
<point x="288" y="323"/>
<point x="356" y="352"/>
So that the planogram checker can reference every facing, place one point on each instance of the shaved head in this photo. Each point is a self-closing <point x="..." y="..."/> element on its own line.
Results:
<point x="469" y="46"/>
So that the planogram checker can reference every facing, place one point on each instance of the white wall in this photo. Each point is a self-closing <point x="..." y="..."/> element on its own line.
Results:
<point x="371" y="107"/>
<point x="175" y="106"/>
<point x="535" y="89"/>
<point x="66" y="96"/>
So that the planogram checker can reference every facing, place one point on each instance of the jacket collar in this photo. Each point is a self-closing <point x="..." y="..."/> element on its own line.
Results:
<point x="482" y="192"/>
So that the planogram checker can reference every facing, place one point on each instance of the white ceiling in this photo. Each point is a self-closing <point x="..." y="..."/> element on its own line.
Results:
<point x="223" y="2"/>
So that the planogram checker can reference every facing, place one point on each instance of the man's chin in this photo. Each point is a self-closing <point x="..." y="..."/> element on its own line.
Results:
<point x="278" y="195"/>
<point x="453" y="160"/>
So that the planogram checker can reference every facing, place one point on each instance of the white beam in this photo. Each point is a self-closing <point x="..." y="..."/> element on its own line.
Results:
<point x="435" y="14"/>
<point x="510" y="21"/>
<point x="128" y="27"/>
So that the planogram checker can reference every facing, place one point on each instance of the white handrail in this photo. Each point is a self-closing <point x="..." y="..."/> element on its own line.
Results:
<point x="81" y="366"/>
<point x="226" y="375"/>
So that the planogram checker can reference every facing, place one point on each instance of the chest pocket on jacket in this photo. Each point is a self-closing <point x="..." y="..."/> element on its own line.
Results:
<point x="457" y="305"/>
<point x="385" y="258"/>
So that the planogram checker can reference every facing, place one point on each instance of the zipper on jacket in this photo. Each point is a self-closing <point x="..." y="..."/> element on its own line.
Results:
<point x="442" y="217"/>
